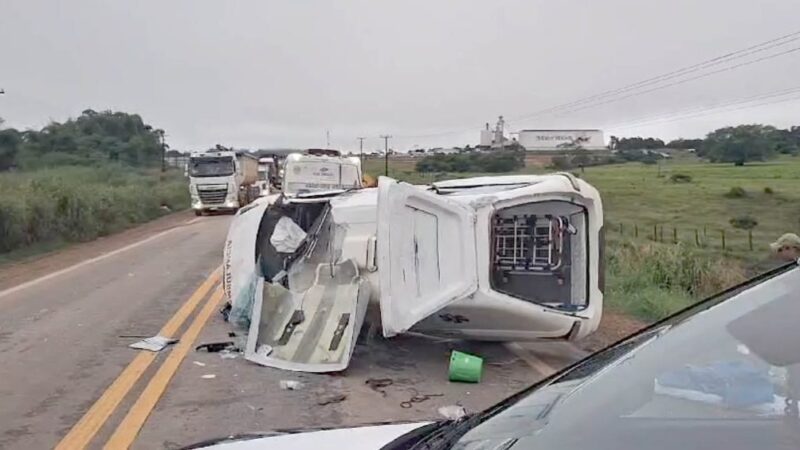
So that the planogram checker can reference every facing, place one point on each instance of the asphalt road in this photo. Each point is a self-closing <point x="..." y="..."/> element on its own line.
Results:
<point x="69" y="379"/>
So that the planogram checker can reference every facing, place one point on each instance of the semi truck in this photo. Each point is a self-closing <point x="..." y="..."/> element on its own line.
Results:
<point x="267" y="174"/>
<point x="222" y="180"/>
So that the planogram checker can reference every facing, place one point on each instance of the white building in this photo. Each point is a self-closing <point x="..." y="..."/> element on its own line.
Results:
<point x="551" y="140"/>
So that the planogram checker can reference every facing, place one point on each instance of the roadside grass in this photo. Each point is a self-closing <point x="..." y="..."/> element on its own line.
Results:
<point x="650" y="280"/>
<point x="45" y="209"/>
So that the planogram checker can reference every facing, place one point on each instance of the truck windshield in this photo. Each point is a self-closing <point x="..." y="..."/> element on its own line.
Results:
<point x="211" y="167"/>
<point x="307" y="177"/>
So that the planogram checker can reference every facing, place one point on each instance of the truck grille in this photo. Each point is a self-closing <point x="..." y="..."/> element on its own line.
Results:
<point x="212" y="196"/>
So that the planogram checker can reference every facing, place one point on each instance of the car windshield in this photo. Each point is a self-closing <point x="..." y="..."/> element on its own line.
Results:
<point x="727" y="376"/>
<point x="211" y="167"/>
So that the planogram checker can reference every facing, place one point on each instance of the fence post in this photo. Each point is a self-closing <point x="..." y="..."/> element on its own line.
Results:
<point x="674" y="235"/>
<point x="635" y="230"/>
<point x="655" y="232"/>
<point x="696" y="237"/>
<point x="705" y="231"/>
<point x="722" y="233"/>
<point x="750" y="239"/>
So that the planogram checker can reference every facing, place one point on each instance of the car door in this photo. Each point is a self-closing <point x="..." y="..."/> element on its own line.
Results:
<point x="426" y="254"/>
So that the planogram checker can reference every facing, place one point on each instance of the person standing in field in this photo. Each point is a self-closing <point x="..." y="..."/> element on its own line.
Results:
<point x="787" y="247"/>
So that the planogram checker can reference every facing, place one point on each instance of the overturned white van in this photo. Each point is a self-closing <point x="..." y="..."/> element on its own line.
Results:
<point x="491" y="258"/>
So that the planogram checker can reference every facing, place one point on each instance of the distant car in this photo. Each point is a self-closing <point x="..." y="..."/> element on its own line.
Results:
<point x="723" y="374"/>
<point x="501" y="258"/>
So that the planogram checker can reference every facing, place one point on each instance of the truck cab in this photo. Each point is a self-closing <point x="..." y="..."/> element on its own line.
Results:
<point x="220" y="180"/>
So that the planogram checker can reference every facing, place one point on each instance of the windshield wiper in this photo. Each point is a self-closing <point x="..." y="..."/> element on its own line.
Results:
<point x="446" y="436"/>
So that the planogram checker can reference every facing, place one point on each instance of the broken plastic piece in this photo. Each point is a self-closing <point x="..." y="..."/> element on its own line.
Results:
<point x="452" y="412"/>
<point x="377" y="384"/>
<point x="333" y="398"/>
<point x="291" y="385"/>
<point x="215" y="347"/>
<point x="153" y="344"/>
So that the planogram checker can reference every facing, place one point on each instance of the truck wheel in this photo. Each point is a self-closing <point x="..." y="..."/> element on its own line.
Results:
<point x="198" y="212"/>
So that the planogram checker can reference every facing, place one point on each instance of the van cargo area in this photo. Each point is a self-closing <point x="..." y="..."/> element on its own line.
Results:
<point x="539" y="253"/>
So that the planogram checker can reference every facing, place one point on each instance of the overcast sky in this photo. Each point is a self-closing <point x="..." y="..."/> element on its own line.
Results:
<point x="265" y="74"/>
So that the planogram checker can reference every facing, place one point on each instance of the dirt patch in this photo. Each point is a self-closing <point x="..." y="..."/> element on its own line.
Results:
<point x="12" y="274"/>
<point x="613" y="327"/>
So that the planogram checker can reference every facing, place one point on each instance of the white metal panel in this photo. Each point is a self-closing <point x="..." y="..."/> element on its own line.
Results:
<point x="426" y="254"/>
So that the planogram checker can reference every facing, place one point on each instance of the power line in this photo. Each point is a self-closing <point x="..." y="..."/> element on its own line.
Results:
<point x="589" y="102"/>
<point x="717" y="110"/>
<point x="726" y="58"/>
<point x="683" y="81"/>
<point x="700" y="109"/>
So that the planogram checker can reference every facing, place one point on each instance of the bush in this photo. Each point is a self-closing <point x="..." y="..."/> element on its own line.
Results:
<point x="80" y="203"/>
<point x="768" y="190"/>
<point x="736" y="192"/>
<point x="743" y="222"/>
<point x="654" y="280"/>
<point x="680" y="178"/>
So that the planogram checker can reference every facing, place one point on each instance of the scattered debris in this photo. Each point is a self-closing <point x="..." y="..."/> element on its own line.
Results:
<point x="503" y="363"/>
<point x="377" y="384"/>
<point x="226" y="311"/>
<point x="452" y="412"/>
<point x="264" y="350"/>
<point x="231" y="334"/>
<point x="198" y="363"/>
<point x="153" y="344"/>
<point x="417" y="398"/>
<point x="291" y="385"/>
<point x="209" y="376"/>
<point x="333" y="398"/>
<point x="228" y="354"/>
<point x="216" y="347"/>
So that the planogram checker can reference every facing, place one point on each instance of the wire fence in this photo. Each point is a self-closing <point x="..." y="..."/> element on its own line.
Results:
<point x="701" y="237"/>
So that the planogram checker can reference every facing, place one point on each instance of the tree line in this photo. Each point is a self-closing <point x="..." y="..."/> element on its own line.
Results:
<point x="737" y="144"/>
<point x="88" y="139"/>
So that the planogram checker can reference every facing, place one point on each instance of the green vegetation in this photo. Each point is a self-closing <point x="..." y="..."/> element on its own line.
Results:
<point x="505" y="161"/>
<point x="680" y="178"/>
<point x="84" y="178"/>
<point x="736" y="192"/>
<point x="71" y="204"/>
<point x="90" y="139"/>
<point x="652" y="281"/>
<point x="744" y="222"/>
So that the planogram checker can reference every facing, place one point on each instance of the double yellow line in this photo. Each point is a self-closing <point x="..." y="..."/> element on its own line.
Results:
<point x="87" y="427"/>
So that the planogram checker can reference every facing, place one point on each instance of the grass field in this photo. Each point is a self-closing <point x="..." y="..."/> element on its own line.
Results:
<point x="45" y="209"/>
<point x="651" y="279"/>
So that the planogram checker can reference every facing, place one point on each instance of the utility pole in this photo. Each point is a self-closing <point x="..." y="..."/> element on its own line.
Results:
<point x="163" y="152"/>
<point x="361" y="148"/>
<point x="327" y="139"/>
<point x="386" y="138"/>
